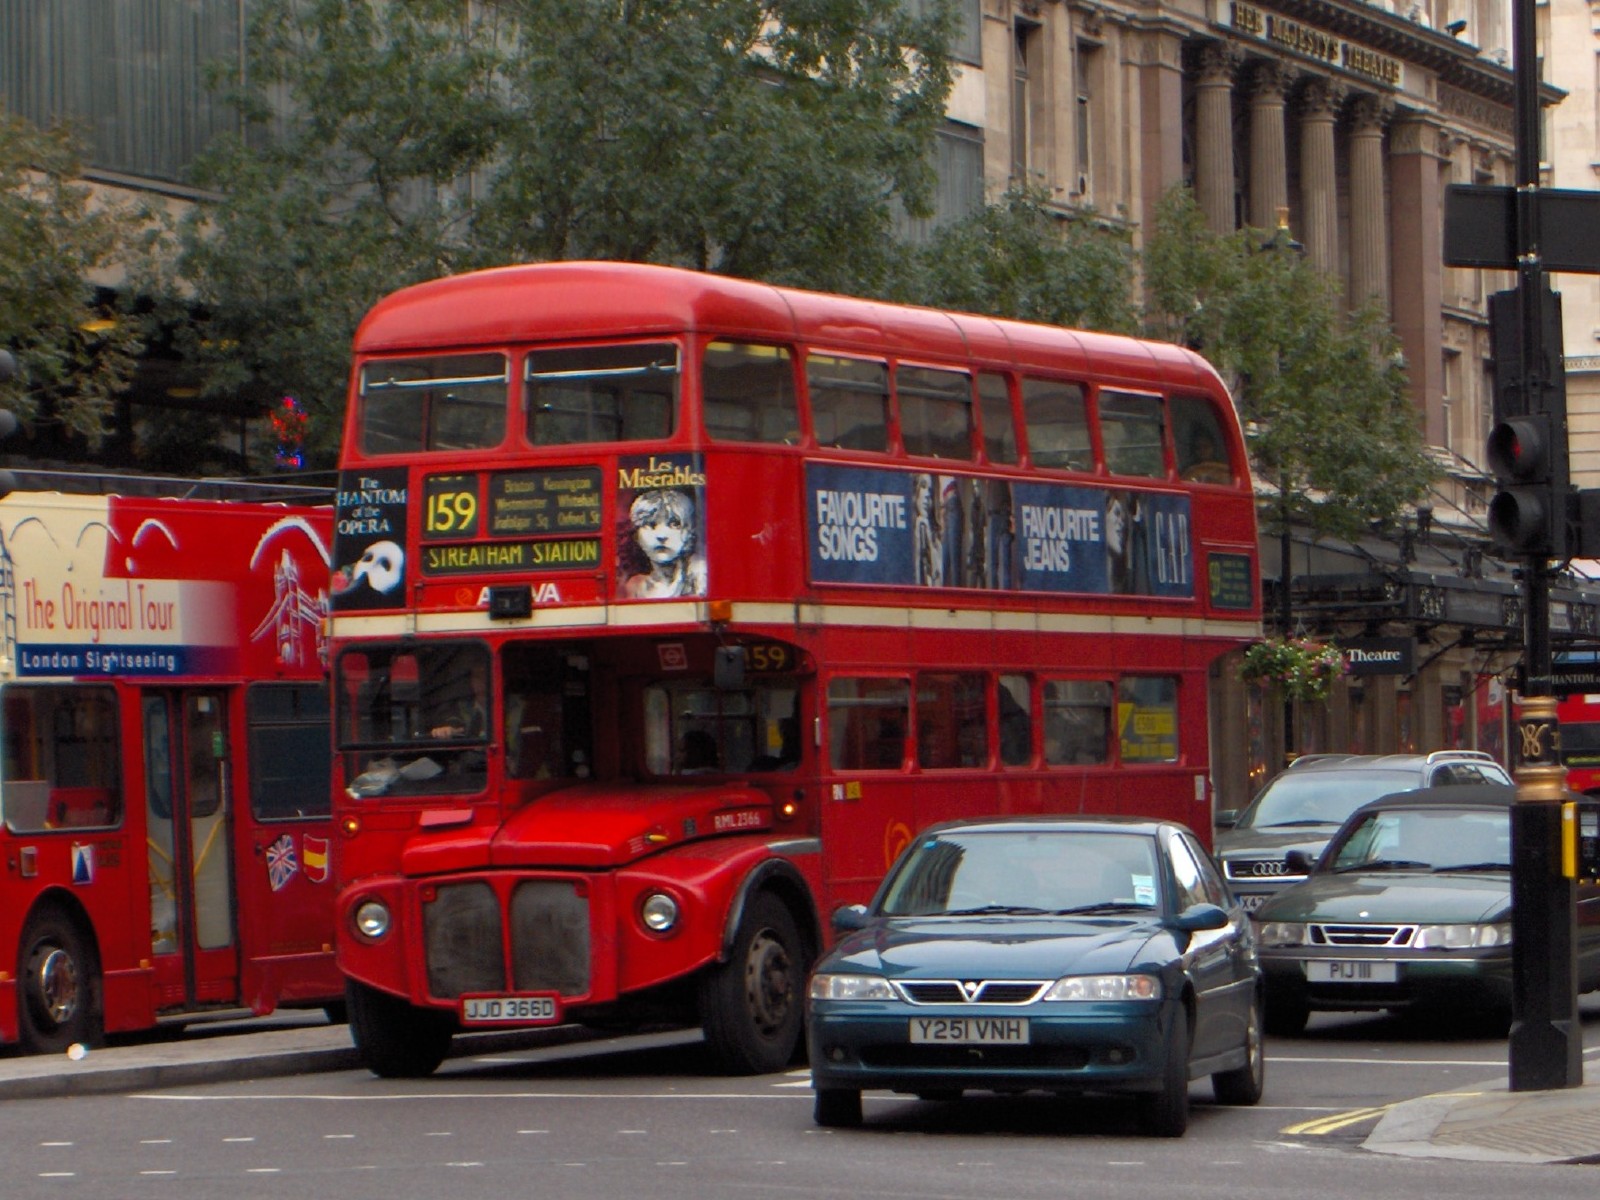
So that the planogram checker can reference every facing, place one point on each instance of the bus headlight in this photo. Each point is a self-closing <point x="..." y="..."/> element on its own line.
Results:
<point x="372" y="919"/>
<point x="659" y="912"/>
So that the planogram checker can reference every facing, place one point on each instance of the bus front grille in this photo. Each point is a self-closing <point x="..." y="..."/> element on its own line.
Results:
<point x="461" y="927"/>
<point x="550" y="937"/>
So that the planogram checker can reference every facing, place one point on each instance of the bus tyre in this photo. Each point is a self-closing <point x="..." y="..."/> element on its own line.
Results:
<point x="58" y="997"/>
<point x="395" y="1040"/>
<point x="750" y="1006"/>
<point x="1166" y="1113"/>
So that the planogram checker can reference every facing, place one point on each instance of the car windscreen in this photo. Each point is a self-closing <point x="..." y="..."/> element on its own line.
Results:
<point x="1025" y="872"/>
<point x="1442" y="839"/>
<point x="1322" y="798"/>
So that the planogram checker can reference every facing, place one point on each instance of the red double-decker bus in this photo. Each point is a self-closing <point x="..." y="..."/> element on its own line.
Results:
<point x="1579" y="715"/>
<point x="165" y="730"/>
<point x="668" y="606"/>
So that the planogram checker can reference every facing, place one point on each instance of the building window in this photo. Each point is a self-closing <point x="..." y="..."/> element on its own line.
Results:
<point x="1024" y="63"/>
<point x="966" y="43"/>
<point x="1087" y="68"/>
<point x="130" y="72"/>
<point x="958" y="183"/>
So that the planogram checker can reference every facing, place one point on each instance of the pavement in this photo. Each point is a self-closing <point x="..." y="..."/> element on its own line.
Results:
<point x="1482" y="1123"/>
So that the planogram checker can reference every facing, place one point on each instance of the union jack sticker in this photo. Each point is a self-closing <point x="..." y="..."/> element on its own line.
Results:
<point x="281" y="861"/>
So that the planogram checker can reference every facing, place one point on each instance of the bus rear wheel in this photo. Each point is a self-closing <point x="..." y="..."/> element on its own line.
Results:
<point x="750" y="1006"/>
<point x="394" y="1039"/>
<point x="58" y="993"/>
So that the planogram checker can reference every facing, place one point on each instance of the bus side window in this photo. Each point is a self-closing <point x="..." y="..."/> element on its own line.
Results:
<point x="867" y="723"/>
<point x="1057" y="422"/>
<point x="602" y="393"/>
<point x="999" y="428"/>
<point x="1131" y="429"/>
<point x="935" y="412"/>
<point x="849" y="402"/>
<point x="1201" y="449"/>
<point x="748" y="394"/>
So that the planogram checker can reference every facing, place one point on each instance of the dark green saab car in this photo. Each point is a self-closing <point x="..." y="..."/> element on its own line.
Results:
<point x="1409" y="907"/>
<point x="1059" y="954"/>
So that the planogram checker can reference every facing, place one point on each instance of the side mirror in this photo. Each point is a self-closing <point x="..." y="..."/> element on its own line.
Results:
<point x="1201" y="916"/>
<point x="849" y="918"/>
<point x="727" y="668"/>
<point x="1298" y="862"/>
<point x="1226" y="818"/>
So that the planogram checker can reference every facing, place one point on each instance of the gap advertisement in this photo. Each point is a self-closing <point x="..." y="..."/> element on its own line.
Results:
<point x="914" y="528"/>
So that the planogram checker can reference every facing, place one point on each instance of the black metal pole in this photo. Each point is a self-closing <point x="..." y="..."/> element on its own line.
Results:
<point x="1285" y="624"/>
<point x="1546" y="1041"/>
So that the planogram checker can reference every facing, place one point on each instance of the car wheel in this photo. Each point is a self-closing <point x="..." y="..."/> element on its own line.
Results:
<point x="1243" y="1085"/>
<point x="1286" y="1016"/>
<point x="837" y="1108"/>
<point x="1166" y="1113"/>
<point x="750" y="1006"/>
<point x="394" y="1039"/>
<point x="58" y="1002"/>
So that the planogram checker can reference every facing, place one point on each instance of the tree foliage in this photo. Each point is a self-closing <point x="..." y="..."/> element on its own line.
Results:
<point x="1019" y="258"/>
<point x="73" y="353"/>
<point x="393" y="142"/>
<point x="1322" y="392"/>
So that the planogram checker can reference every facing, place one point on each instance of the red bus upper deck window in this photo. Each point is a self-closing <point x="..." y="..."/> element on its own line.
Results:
<point x="849" y="402"/>
<point x="1057" y="422"/>
<point x="449" y="402"/>
<point x="999" y="427"/>
<point x="748" y="393"/>
<point x="1131" y="427"/>
<point x="623" y="393"/>
<point x="935" y="412"/>
<point x="1202" y="451"/>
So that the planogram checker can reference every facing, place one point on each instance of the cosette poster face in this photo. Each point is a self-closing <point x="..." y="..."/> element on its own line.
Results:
<point x="901" y="528"/>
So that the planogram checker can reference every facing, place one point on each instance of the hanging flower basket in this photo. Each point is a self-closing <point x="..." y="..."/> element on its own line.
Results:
<point x="1304" y="669"/>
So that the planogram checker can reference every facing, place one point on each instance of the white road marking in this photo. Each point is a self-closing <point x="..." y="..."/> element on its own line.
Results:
<point x="329" y="1137"/>
<point x="55" y="1143"/>
<point x="155" y="1142"/>
<point x="263" y="1170"/>
<point x="158" y="1172"/>
<point x="238" y="1139"/>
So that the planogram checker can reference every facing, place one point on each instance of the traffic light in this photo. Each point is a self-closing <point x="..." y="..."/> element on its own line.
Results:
<point x="1527" y="447"/>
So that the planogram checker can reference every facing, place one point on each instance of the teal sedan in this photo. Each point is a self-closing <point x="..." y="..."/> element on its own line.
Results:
<point x="1409" y="907"/>
<point x="1064" y="954"/>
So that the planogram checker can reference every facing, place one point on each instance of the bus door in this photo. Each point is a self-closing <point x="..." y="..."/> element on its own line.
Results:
<point x="189" y="805"/>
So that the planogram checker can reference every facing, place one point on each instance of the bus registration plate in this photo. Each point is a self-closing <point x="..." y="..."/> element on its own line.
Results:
<point x="509" y="1010"/>
<point x="969" y="1031"/>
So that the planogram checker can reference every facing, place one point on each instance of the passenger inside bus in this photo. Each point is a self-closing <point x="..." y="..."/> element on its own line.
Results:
<point x="698" y="754"/>
<point x="1203" y="461"/>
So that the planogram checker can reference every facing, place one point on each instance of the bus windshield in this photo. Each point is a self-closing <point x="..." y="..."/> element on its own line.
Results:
<point x="414" y="719"/>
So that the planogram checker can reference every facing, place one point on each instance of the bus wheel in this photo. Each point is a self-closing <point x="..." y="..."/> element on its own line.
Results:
<point x="57" y="995"/>
<point x="395" y="1040"/>
<point x="750" y="1005"/>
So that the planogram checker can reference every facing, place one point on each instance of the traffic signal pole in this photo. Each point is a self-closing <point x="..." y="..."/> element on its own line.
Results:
<point x="1546" y="1041"/>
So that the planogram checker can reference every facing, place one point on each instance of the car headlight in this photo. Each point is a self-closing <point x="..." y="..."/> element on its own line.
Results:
<point x="1461" y="937"/>
<point x="850" y="987"/>
<point x="372" y="919"/>
<point x="1105" y="987"/>
<point x="1282" y="933"/>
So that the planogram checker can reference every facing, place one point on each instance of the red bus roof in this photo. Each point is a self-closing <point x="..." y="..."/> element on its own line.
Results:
<point x="610" y="299"/>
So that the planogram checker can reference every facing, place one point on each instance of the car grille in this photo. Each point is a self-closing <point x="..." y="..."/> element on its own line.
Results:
<point x="1258" y="868"/>
<point x="1360" y="935"/>
<point x="972" y="991"/>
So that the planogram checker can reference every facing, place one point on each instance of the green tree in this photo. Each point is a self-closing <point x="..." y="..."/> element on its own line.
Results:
<point x="74" y="354"/>
<point x="1019" y="258"/>
<point x="1322" y="392"/>
<point x="393" y="142"/>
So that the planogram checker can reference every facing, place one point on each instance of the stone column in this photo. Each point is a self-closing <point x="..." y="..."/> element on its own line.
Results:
<point x="1269" y="164"/>
<point x="1160" y="164"/>
<point x="1415" y="159"/>
<point x="1213" y="160"/>
<point x="1369" y="230"/>
<point x="1319" y="187"/>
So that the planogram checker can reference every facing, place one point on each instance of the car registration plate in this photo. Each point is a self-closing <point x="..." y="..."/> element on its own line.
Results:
<point x="510" y="1010"/>
<point x="969" y="1031"/>
<point x="1250" y="901"/>
<point x="1351" y="971"/>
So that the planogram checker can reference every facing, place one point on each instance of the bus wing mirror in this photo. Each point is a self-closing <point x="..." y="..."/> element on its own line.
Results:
<point x="728" y="668"/>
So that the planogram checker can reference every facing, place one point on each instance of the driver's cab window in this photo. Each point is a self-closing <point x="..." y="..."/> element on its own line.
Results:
<point x="693" y="729"/>
<point x="547" y="733"/>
